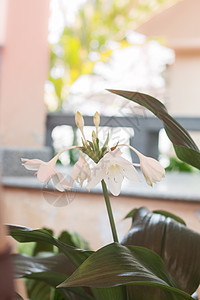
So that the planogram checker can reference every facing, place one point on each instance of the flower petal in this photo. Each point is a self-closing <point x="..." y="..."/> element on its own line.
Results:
<point x="114" y="183"/>
<point x="98" y="173"/>
<point x="151" y="169"/>
<point x="81" y="171"/>
<point x="130" y="172"/>
<point x="45" y="172"/>
<point x="60" y="182"/>
<point x="74" y="173"/>
<point x="31" y="164"/>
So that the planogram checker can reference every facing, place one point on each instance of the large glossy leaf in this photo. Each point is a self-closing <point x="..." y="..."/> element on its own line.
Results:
<point x="161" y="212"/>
<point x="184" y="146"/>
<point x="77" y="256"/>
<point x="169" y="215"/>
<point x="51" y="270"/>
<point x="42" y="246"/>
<point x="153" y="293"/>
<point x="115" y="265"/>
<point x="38" y="290"/>
<point x="178" y="246"/>
<point x="26" y="265"/>
<point x="73" y="239"/>
<point x="117" y="293"/>
<point x="25" y="234"/>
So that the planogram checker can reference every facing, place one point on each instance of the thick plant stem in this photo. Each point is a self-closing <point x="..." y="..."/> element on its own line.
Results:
<point x="109" y="210"/>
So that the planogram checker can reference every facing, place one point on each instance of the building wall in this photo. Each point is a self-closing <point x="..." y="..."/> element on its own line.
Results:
<point x="86" y="214"/>
<point x="24" y="67"/>
<point x="184" y="87"/>
<point x="3" y="16"/>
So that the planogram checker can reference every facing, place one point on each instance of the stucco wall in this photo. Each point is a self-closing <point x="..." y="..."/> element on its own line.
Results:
<point x="86" y="214"/>
<point x="24" y="70"/>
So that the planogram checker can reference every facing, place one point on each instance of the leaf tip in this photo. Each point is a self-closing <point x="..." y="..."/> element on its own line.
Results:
<point x="61" y="285"/>
<point x="110" y="90"/>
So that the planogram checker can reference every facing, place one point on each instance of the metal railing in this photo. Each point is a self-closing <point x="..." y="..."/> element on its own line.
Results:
<point x="146" y="128"/>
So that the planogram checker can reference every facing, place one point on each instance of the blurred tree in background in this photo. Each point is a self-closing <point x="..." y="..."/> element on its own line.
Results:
<point x="86" y="40"/>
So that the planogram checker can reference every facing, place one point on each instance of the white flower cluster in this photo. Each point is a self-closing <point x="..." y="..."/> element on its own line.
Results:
<point x="110" y="165"/>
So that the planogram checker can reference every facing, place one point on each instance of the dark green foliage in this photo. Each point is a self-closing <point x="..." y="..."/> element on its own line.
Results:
<point x="184" y="146"/>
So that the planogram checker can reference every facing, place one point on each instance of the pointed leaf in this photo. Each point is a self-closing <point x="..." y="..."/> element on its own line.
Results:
<point x="131" y="213"/>
<point x="18" y="297"/>
<point x="117" y="293"/>
<point x="43" y="247"/>
<point x="73" y="239"/>
<point x="26" y="265"/>
<point x="184" y="146"/>
<point x="51" y="270"/>
<point x="161" y="212"/>
<point x="25" y="234"/>
<point x="115" y="265"/>
<point x="169" y="215"/>
<point x="178" y="246"/>
<point x="38" y="290"/>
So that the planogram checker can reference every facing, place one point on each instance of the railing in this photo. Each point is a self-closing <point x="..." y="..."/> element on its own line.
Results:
<point x="146" y="128"/>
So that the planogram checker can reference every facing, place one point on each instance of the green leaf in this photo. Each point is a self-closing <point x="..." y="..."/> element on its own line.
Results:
<point x="18" y="297"/>
<point x="106" y="294"/>
<point x="161" y="212"/>
<point x="131" y="213"/>
<point x="26" y="265"/>
<point x="169" y="215"/>
<point x="117" y="293"/>
<point x="43" y="247"/>
<point x="73" y="239"/>
<point x="149" y="292"/>
<point x="115" y="265"/>
<point x="51" y="270"/>
<point x="177" y="245"/>
<point x="184" y="146"/>
<point x="38" y="290"/>
<point x="104" y="148"/>
<point x="25" y="234"/>
<point x="177" y="165"/>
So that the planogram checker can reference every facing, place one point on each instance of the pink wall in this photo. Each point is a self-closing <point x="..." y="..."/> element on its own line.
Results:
<point x="3" y="15"/>
<point x="23" y="73"/>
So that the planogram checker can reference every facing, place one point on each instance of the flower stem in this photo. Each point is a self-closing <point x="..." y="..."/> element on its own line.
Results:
<point x="109" y="210"/>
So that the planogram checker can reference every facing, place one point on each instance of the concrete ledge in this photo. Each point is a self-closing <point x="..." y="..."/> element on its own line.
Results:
<point x="10" y="158"/>
<point x="175" y="186"/>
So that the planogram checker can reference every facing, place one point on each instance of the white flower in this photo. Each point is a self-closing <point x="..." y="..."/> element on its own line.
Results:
<point x="151" y="169"/>
<point x="81" y="171"/>
<point x="113" y="168"/>
<point x="46" y="171"/>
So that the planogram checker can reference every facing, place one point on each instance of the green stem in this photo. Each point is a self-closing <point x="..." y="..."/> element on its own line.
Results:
<point x="109" y="210"/>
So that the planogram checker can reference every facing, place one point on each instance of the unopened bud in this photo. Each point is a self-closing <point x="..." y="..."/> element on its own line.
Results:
<point x="79" y="120"/>
<point x="94" y="135"/>
<point x="96" y="119"/>
<point x="80" y="124"/>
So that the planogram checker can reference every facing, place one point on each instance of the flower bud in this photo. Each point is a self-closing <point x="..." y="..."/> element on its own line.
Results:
<point x="79" y="120"/>
<point x="94" y="136"/>
<point x="96" y="119"/>
<point x="151" y="169"/>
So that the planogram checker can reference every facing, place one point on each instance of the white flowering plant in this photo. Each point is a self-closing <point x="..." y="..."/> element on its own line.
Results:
<point x="158" y="258"/>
